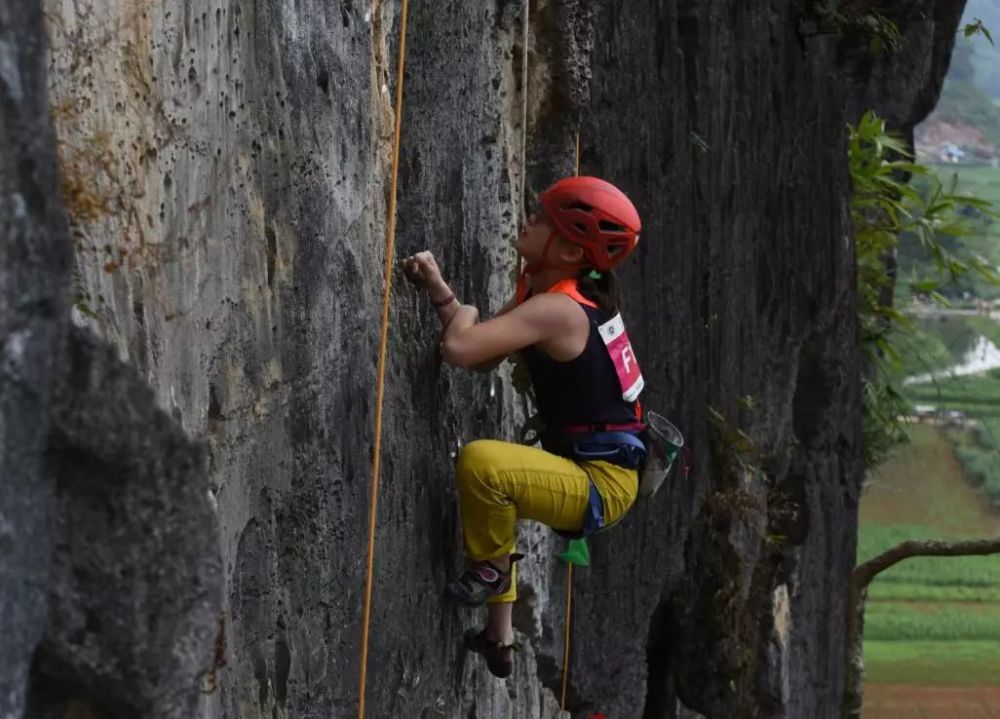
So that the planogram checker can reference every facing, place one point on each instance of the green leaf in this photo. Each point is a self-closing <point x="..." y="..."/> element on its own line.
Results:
<point x="977" y="27"/>
<point x="924" y="286"/>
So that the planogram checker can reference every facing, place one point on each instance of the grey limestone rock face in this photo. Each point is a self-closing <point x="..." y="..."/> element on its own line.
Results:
<point x="134" y="587"/>
<point x="904" y="86"/>
<point x="235" y="262"/>
<point x="109" y="571"/>
<point x="35" y="258"/>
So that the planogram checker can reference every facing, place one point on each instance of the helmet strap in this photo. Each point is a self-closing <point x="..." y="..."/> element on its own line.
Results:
<point x="544" y="264"/>
<point x="522" y="286"/>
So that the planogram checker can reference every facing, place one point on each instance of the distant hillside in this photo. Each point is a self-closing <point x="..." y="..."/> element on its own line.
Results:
<point x="986" y="57"/>
<point x="966" y="123"/>
<point x="964" y="106"/>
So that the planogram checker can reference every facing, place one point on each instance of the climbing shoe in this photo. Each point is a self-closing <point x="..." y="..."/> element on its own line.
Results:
<point x="480" y="582"/>
<point x="499" y="656"/>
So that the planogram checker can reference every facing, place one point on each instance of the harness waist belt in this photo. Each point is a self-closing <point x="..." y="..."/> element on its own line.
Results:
<point x="621" y="448"/>
<point x="604" y="427"/>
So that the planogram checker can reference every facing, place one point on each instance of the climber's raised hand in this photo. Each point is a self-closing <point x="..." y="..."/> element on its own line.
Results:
<point x="422" y="270"/>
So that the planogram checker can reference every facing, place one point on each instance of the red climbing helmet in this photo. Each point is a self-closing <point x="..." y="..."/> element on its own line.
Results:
<point x="595" y="215"/>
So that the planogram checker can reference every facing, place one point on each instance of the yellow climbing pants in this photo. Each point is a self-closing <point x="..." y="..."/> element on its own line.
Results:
<point x="501" y="482"/>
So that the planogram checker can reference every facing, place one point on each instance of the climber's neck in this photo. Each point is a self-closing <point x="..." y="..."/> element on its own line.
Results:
<point x="541" y="281"/>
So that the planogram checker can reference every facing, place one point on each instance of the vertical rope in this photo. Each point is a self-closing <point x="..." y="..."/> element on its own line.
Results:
<point x="390" y="246"/>
<point x="566" y="633"/>
<point x="524" y="110"/>
<point x="576" y="155"/>
<point x="569" y="566"/>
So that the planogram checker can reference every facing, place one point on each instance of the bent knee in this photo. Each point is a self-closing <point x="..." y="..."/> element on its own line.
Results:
<point x="474" y="461"/>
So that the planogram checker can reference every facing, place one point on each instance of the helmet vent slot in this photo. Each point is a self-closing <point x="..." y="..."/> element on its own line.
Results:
<point x="610" y="226"/>
<point x="580" y="206"/>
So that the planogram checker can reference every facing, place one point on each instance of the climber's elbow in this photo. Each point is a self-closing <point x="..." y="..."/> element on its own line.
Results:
<point x="475" y="344"/>
<point x="456" y="353"/>
<point x="468" y="353"/>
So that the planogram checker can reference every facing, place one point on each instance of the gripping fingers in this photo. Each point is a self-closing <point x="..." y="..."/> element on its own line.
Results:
<point x="412" y="270"/>
<point x="421" y="268"/>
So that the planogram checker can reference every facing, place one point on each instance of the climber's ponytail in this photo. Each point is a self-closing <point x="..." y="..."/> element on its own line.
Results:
<point x="601" y="288"/>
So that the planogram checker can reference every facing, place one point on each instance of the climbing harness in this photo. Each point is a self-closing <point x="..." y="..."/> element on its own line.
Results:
<point x="624" y="449"/>
<point x="390" y="244"/>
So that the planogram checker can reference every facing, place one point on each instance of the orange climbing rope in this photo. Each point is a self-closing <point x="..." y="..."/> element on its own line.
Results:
<point x="525" y="23"/>
<point x="566" y="633"/>
<point x="390" y="246"/>
<point x="390" y="243"/>
<point x="569" y="565"/>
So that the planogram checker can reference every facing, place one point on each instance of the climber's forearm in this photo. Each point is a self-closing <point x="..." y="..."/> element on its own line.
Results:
<point x="456" y="318"/>
<point x="492" y="364"/>
<point x="439" y="295"/>
<point x="462" y="318"/>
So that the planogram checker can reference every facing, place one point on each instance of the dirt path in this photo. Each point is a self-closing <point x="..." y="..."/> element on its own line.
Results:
<point x="910" y="701"/>
<point x="922" y="483"/>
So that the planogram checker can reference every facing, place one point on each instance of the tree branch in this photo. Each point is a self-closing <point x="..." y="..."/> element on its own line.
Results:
<point x="864" y="573"/>
<point x="860" y="579"/>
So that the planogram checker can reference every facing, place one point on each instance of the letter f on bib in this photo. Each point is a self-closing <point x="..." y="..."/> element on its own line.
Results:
<point x="627" y="358"/>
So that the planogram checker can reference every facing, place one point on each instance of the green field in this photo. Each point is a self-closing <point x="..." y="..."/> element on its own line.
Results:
<point x="930" y="620"/>
<point x="977" y="448"/>
<point x="937" y="663"/>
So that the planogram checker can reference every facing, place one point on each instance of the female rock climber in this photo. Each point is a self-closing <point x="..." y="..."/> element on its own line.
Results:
<point x="564" y="321"/>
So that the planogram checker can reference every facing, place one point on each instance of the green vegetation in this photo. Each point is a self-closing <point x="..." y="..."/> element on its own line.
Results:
<point x="977" y="27"/>
<point x="982" y="466"/>
<point x="885" y="207"/>
<point x="882" y="33"/>
<point x="977" y="243"/>
<point x="929" y="345"/>
<point x="917" y="592"/>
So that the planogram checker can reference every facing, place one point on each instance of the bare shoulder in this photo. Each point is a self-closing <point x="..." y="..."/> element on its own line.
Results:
<point x="554" y="307"/>
<point x="555" y="315"/>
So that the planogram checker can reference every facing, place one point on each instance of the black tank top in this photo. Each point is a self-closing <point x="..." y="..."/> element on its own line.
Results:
<point x="584" y="390"/>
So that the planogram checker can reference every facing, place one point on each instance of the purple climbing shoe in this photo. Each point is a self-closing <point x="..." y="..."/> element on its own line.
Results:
<point x="480" y="582"/>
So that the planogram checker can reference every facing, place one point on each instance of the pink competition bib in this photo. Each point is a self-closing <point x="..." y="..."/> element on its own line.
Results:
<point x="616" y="340"/>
